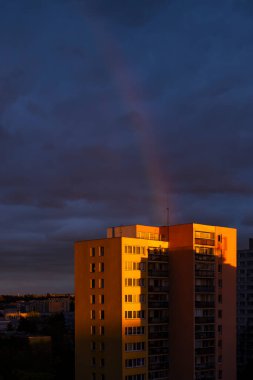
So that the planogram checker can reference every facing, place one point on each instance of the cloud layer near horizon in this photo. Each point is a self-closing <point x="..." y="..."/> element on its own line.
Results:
<point x="109" y="113"/>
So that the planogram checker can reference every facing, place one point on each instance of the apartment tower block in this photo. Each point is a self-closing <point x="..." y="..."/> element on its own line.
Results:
<point x="156" y="303"/>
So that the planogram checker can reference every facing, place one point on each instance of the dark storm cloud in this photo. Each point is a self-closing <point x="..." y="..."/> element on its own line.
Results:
<point x="108" y="111"/>
<point x="130" y="13"/>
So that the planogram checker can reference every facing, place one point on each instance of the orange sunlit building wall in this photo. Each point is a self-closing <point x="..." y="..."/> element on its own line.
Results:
<point x="156" y="303"/>
<point x="202" y="263"/>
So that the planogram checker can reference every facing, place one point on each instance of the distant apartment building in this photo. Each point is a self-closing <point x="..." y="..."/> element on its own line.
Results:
<point x="45" y="306"/>
<point x="156" y="303"/>
<point x="245" y="307"/>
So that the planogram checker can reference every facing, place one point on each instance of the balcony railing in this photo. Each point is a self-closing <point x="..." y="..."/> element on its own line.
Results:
<point x="205" y="335"/>
<point x="153" y="366"/>
<point x="204" y="320"/>
<point x="159" y="289"/>
<point x="158" y="304"/>
<point x="205" y="304"/>
<point x="159" y="335"/>
<point x="204" y="366"/>
<point x="158" y="320"/>
<point x="158" y="350"/>
<point x="204" y="351"/>
<point x="204" y="273"/>
<point x="204" y="289"/>
<point x="157" y="273"/>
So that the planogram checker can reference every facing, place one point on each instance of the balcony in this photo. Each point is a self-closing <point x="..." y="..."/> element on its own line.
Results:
<point x="200" y="320"/>
<point x="201" y="241"/>
<point x="157" y="273"/>
<point x="204" y="289"/>
<point x="158" y="350"/>
<point x="205" y="335"/>
<point x="205" y="304"/>
<point x="159" y="366"/>
<point x="158" y="335"/>
<point x="204" y="351"/>
<point x="158" y="304"/>
<point x="158" y="320"/>
<point x="204" y="273"/>
<point x="206" y="258"/>
<point x="204" y="366"/>
<point x="159" y="289"/>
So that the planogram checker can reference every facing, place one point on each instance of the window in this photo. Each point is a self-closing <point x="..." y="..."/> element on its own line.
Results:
<point x="129" y="314"/>
<point x="220" y="298"/>
<point x="102" y="362"/>
<point x="220" y="268"/>
<point x="93" y="346"/>
<point x="101" y="267"/>
<point x="220" y="283"/>
<point x="101" y="283"/>
<point x="142" y="267"/>
<point x="102" y="377"/>
<point x="92" y="283"/>
<point x="140" y="376"/>
<point x="92" y="252"/>
<point x="133" y="363"/>
<point x="101" y="314"/>
<point x="92" y="267"/>
<point x="93" y="376"/>
<point x="101" y="251"/>
<point x="135" y="346"/>
<point x="93" y="362"/>
<point x="101" y="299"/>
<point x="136" y="330"/>
<point x="102" y="346"/>
<point x="219" y="313"/>
<point x="93" y="330"/>
<point x="101" y="330"/>
<point x="92" y="299"/>
<point x="92" y="314"/>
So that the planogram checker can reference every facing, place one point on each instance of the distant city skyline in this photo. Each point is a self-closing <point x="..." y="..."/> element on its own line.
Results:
<point x="111" y="113"/>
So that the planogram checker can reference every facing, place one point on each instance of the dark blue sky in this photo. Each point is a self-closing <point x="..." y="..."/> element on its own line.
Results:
<point x="111" y="110"/>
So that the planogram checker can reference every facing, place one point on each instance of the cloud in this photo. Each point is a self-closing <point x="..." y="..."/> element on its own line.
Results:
<point x="107" y="111"/>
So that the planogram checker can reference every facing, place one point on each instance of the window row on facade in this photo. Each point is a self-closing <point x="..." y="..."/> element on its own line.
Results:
<point x="132" y="314"/>
<point x="135" y="265"/>
<point x="135" y="346"/>
<point x="95" y="376"/>
<point x="135" y="298"/>
<point x="136" y="362"/>
<point x="101" y="330"/>
<point x="101" y="314"/>
<point x="101" y="267"/>
<point x="101" y="363"/>
<point x="135" y="250"/>
<point x="140" y="376"/>
<point x="100" y="346"/>
<point x="135" y="282"/>
<point x="99" y="250"/>
<point x="135" y="330"/>
<point x="101" y="299"/>
<point x="101" y="283"/>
